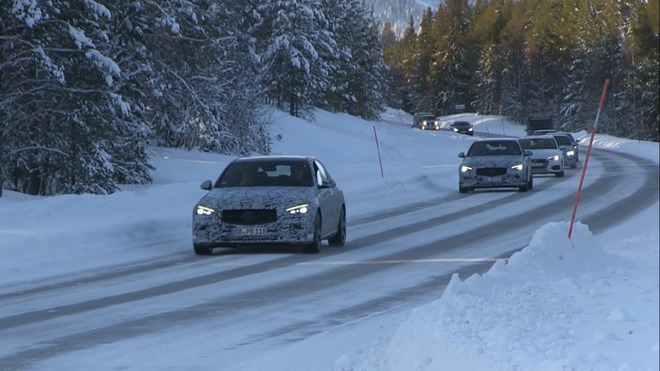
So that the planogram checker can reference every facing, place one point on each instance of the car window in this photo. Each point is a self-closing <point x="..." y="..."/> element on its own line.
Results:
<point x="563" y="140"/>
<point x="254" y="174"/>
<point x="493" y="148"/>
<point x="538" y="143"/>
<point x="321" y="173"/>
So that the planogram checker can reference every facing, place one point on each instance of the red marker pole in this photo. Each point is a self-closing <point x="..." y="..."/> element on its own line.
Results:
<point x="586" y="159"/>
<point x="378" y="149"/>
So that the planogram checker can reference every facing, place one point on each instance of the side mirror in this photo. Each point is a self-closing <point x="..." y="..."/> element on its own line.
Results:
<point x="528" y="152"/>
<point x="461" y="155"/>
<point x="327" y="184"/>
<point x="206" y="185"/>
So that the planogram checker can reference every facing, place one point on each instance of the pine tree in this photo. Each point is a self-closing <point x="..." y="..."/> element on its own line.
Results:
<point x="62" y="114"/>
<point x="359" y="83"/>
<point x="296" y="44"/>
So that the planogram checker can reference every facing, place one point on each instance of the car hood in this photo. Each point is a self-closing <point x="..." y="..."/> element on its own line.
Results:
<point x="492" y="161"/>
<point x="256" y="197"/>
<point x="543" y="153"/>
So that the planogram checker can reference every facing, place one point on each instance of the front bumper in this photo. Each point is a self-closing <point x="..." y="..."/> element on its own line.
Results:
<point x="544" y="166"/>
<point x="211" y="231"/>
<point x="510" y="179"/>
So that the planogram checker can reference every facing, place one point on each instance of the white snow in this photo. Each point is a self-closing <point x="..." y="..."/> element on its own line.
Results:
<point x="585" y="303"/>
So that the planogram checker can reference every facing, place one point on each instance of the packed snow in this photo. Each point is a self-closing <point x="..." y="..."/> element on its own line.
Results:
<point x="585" y="303"/>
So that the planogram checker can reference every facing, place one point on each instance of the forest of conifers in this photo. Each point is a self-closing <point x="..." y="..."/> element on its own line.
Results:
<point x="87" y="87"/>
<point x="523" y="58"/>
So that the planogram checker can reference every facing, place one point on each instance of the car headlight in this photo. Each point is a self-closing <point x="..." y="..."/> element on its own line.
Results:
<point x="518" y="167"/>
<point x="570" y="153"/>
<point x="204" y="210"/>
<point x="455" y="129"/>
<point x="470" y="129"/>
<point x="553" y="158"/>
<point x="298" y="209"/>
<point x="465" y="168"/>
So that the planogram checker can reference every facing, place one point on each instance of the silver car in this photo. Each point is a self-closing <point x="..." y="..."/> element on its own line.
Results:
<point x="547" y="158"/>
<point x="569" y="149"/>
<point x="495" y="163"/>
<point x="270" y="200"/>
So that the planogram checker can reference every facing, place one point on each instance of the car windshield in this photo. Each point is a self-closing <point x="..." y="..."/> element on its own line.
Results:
<point x="428" y="118"/>
<point x="266" y="174"/>
<point x="538" y="143"/>
<point x="461" y="123"/>
<point x="494" y="148"/>
<point x="563" y="140"/>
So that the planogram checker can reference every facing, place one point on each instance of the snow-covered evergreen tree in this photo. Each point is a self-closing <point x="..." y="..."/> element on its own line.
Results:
<point x="359" y="82"/>
<point x="64" y="127"/>
<point x="295" y="40"/>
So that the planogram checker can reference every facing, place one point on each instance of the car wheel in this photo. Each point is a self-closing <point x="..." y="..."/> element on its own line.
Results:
<point x="339" y="239"/>
<point x="559" y="174"/>
<point x="201" y="250"/>
<point x="530" y="184"/>
<point x="315" y="246"/>
<point x="463" y="189"/>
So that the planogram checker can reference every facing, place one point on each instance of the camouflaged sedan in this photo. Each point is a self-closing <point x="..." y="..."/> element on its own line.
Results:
<point x="270" y="200"/>
<point x="495" y="163"/>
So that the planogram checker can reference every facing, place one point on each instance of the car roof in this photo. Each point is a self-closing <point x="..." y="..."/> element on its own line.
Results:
<point x="273" y="158"/>
<point x="540" y="136"/>
<point x="497" y="140"/>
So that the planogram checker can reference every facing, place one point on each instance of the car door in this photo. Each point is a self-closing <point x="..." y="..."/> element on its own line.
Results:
<point x="329" y="198"/>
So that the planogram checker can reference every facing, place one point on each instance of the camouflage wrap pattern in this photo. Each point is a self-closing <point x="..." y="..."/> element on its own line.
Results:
<point x="503" y="164"/>
<point x="287" y="228"/>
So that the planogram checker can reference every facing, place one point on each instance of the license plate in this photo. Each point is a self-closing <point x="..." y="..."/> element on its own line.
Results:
<point x="248" y="231"/>
<point x="538" y="165"/>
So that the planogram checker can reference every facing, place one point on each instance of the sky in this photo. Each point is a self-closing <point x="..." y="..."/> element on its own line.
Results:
<point x="585" y="303"/>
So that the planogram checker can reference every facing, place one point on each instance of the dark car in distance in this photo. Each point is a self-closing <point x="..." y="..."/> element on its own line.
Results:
<point x="462" y="127"/>
<point x="426" y="121"/>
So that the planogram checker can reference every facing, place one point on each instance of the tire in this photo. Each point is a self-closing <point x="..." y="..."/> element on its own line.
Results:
<point x="315" y="246"/>
<point x="201" y="250"/>
<point x="559" y="174"/>
<point x="529" y="185"/>
<point x="339" y="239"/>
<point x="463" y="189"/>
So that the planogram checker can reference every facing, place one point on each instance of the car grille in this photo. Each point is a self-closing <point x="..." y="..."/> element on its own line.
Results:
<point x="491" y="171"/>
<point x="249" y="216"/>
